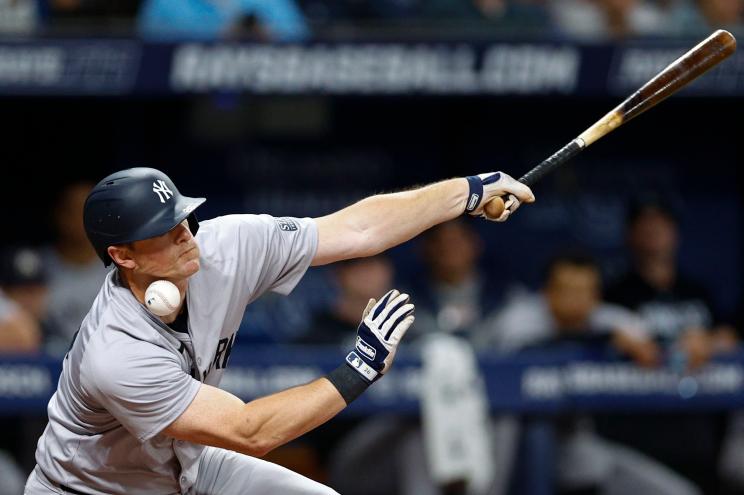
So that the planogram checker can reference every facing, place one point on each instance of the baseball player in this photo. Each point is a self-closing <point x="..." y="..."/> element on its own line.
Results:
<point x="137" y="409"/>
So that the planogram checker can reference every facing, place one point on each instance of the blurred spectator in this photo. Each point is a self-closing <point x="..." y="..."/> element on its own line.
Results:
<point x="608" y="19"/>
<point x="452" y="299"/>
<point x="570" y="309"/>
<point x="13" y="479"/>
<point x="455" y="294"/>
<point x="75" y="271"/>
<point x="22" y="300"/>
<point x="276" y="319"/>
<point x="385" y="455"/>
<point x="19" y="16"/>
<point x="491" y="14"/>
<point x="675" y="308"/>
<point x="678" y="313"/>
<point x="357" y="281"/>
<point x="700" y="17"/>
<point x="275" y="20"/>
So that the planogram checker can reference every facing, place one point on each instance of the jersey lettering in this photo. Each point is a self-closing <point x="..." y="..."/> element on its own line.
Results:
<point x="222" y="354"/>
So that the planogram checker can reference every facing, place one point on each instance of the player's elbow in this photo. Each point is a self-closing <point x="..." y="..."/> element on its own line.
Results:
<point x="256" y="440"/>
<point x="256" y="447"/>
<point x="368" y="243"/>
<point x="260" y="444"/>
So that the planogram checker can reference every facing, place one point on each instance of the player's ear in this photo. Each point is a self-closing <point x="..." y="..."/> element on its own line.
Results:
<point x="122" y="255"/>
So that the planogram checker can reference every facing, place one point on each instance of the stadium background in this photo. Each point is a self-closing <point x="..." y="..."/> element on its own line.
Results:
<point x="87" y="88"/>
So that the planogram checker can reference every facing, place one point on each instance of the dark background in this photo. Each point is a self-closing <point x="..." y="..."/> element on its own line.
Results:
<point x="307" y="156"/>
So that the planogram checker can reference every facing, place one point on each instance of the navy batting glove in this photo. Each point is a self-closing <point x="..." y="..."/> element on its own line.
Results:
<point x="485" y="187"/>
<point x="383" y="325"/>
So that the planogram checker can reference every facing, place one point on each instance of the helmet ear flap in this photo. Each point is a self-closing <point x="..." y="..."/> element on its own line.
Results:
<point x="103" y="254"/>
<point x="193" y="223"/>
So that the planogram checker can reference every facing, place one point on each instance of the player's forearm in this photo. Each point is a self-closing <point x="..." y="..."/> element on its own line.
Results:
<point x="387" y="220"/>
<point x="380" y="222"/>
<point x="279" y="418"/>
<point x="218" y="418"/>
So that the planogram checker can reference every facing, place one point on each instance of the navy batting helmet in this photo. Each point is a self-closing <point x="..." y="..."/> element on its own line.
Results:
<point x="135" y="204"/>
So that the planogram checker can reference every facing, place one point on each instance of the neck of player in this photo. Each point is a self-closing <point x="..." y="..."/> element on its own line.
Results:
<point x="138" y="284"/>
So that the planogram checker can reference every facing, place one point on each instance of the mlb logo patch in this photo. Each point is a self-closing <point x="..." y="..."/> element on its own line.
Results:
<point x="287" y="224"/>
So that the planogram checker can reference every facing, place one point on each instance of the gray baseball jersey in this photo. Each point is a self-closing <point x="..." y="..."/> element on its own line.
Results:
<point x="128" y="375"/>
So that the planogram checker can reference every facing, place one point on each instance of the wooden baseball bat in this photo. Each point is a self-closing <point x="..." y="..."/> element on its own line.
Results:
<point x="708" y="53"/>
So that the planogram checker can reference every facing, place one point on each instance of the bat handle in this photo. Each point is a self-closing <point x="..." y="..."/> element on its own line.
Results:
<point x="555" y="160"/>
<point x="495" y="207"/>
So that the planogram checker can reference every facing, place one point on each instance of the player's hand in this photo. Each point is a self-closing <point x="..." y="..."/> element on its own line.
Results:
<point x="497" y="184"/>
<point x="383" y="325"/>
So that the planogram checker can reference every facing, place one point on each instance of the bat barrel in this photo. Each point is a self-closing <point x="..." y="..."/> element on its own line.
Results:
<point x="707" y="54"/>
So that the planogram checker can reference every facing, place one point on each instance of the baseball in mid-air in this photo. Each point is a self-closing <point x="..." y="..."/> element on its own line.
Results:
<point x="162" y="297"/>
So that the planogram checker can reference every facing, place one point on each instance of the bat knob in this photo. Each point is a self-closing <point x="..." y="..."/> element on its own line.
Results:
<point x="494" y="208"/>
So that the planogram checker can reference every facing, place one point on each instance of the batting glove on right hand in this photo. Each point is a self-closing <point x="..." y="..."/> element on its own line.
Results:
<point x="383" y="325"/>
<point x="485" y="187"/>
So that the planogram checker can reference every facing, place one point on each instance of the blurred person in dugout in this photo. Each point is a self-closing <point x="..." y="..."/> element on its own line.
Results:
<point x="275" y="20"/>
<point x="448" y="450"/>
<point x="679" y="315"/>
<point x="565" y="454"/>
<point x="75" y="273"/>
<point x="354" y="282"/>
<point x="700" y="17"/>
<point x="609" y="19"/>
<point x="23" y="299"/>
<point x="22" y="305"/>
<point x="487" y="15"/>
<point x="19" y="17"/>
<point x="456" y="448"/>
<point x="342" y="457"/>
<point x="454" y="294"/>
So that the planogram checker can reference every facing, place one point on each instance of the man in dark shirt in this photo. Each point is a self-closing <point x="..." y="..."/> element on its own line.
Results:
<point x="678" y="313"/>
<point x="676" y="309"/>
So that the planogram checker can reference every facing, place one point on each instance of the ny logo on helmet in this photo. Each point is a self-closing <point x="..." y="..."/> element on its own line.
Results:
<point x="161" y="190"/>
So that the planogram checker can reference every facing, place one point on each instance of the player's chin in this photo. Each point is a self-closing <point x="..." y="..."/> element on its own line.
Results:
<point x="190" y="267"/>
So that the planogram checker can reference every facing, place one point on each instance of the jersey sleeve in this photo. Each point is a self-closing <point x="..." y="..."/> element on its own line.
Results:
<point x="140" y="384"/>
<point x="271" y="253"/>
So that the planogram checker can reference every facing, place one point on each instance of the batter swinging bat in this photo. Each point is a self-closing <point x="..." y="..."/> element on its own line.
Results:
<point x="678" y="74"/>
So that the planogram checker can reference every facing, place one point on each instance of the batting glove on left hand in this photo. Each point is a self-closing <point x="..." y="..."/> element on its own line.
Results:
<point x="383" y="325"/>
<point x="485" y="187"/>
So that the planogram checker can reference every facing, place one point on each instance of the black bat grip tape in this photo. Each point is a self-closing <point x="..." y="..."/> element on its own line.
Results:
<point x="556" y="159"/>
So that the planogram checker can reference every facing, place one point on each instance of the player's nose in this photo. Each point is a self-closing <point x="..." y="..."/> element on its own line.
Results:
<point x="183" y="233"/>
